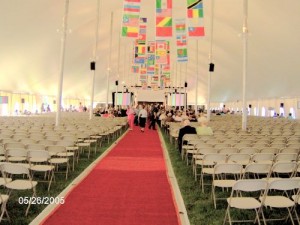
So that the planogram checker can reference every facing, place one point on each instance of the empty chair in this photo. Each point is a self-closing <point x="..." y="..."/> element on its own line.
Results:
<point x="282" y="170"/>
<point x="224" y="176"/>
<point x="16" y="155"/>
<point x="11" y="169"/>
<point x="207" y="165"/>
<point x="13" y="145"/>
<point x="257" y="171"/>
<point x="286" y="157"/>
<point x="238" y="200"/>
<point x="276" y="196"/>
<point x="39" y="162"/>
<point x="240" y="158"/>
<point x="59" y="156"/>
<point x="263" y="158"/>
<point x="270" y="150"/>
<point x="249" y="150"/>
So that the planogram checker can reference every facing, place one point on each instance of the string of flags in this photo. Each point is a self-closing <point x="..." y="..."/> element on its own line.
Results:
<point x="151" y="60"/>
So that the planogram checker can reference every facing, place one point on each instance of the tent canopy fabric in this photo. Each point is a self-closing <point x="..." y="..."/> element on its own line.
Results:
<point x="31" y="42"/>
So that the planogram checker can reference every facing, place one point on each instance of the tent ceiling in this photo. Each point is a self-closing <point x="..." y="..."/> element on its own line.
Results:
<point x="31" y="38"/>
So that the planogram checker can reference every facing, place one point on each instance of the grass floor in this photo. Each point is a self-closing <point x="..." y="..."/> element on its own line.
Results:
<point x="199" y="205"/>
<point x="17" y="211"/>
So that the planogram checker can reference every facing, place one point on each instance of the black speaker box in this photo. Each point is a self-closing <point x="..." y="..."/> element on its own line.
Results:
<point x="250" y="106"/>
<point x="185" y="84"/>
<point x="281" y="105"/>
<point x="93" y="66"/>
<point x="211" y="67"/>
<point x="117" y="83"/>
<point x="22" y="100"/>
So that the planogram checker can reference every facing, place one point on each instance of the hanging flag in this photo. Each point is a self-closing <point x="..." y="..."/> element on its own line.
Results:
<point x="131" y="16"/>
<point x="181" y="40"/>
<point x="140" y="43"/>
<point x="195" y="18"/>
<point x="162" y="52"/>
<point x="135" y="69"/>
<point x="150" y="58"/>
<point x="163" y="18"/>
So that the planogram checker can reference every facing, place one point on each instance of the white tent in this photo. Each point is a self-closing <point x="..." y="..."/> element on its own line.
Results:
<point x="31" y="38"/>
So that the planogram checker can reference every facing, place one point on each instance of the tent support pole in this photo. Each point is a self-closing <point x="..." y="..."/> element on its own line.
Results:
<point x="109" y="61"/>
<point x="62" y="62"/>
<point x="210" y="58"/>
<point x="245" y="52"/>
<point x="95" y="58"/>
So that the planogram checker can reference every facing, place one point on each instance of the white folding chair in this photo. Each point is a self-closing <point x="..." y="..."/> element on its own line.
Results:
<point x="277" y="197"/>
<point x="39" y="162"/>
<point x="238" y="201"/>
<point x="224" y="176"/>
<point x="11" y="169"/>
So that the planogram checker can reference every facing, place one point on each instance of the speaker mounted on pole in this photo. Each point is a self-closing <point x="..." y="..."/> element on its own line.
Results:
<point x="117" y="82"/>
<point x="93" y="65"/>
<point x="185" y="84"/>
<point x="211" y="67"/>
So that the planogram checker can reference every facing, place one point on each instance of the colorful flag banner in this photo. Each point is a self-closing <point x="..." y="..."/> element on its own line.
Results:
<point x="140" y="43"/>
<point x="135" y="69"/>
<point x="131" y="16"/>
<point x="151" y="58"/>
<point x="181" y="40"/>
<point x="163" y="19"/>
<point x="195" y="18"/>
<point x="162" y="52"/>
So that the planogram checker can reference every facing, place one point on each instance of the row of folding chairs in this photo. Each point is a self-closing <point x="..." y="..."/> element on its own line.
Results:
<point x="211" y="159"/>
<point x="263" y="196"/>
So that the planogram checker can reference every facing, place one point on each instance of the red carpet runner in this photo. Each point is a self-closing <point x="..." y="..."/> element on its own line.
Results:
<point x="129" y="187"/>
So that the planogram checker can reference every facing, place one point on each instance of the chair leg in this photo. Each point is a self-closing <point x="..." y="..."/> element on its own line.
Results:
<point x="225" y="218"/>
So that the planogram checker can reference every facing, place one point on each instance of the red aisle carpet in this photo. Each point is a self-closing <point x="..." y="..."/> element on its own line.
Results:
<point x="129" y="187"/>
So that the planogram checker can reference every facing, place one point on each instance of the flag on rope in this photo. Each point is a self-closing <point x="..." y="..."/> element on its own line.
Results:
<point x="181" y="40"/>
<point x="131" y="16"/>
<point x="135" y="69"/>
<point x="162" y="52"/>
<point x="140" y="43"/>
<point x="163" y="18"/>
<point x="195" y="18"/>
<point x="151" y="58"/>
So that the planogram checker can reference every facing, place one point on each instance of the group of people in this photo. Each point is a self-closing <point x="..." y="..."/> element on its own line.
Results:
<point x="138" y="116"/>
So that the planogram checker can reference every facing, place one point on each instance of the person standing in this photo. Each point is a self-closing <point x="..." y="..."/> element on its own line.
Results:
<point x="130" y="116"/>
<point x="142" y="118"/>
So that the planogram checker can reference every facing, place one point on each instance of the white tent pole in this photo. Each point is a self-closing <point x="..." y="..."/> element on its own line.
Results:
<point x="245" y="53"/>
<point x="62" y="62"/>
<point x="176" y="83"/>
<point x="185" y="82"/>
<point x="180" y="71"/>
<point x="210" y="57"/>
<point x="197" y="76"/>
<point x="118" y="75"/>
<point x="109" y="61"/>
<point x="95" y="57"/>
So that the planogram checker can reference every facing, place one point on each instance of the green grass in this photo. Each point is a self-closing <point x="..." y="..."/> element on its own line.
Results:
<point x="17" y="211"/>
<point x="199" y="205"/>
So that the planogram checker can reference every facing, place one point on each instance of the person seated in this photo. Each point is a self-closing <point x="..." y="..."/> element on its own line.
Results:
<point x="178" y="117"/>
<point x="203" y="129"/>
<point x="186" y="129"/>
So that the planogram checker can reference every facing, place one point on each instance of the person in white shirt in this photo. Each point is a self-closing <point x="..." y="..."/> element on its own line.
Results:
<point x="142" y="118"/>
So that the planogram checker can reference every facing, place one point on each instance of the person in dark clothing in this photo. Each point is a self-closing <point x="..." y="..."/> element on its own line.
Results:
<point x="187" y="129"/>
<point x="152" y="120"/>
